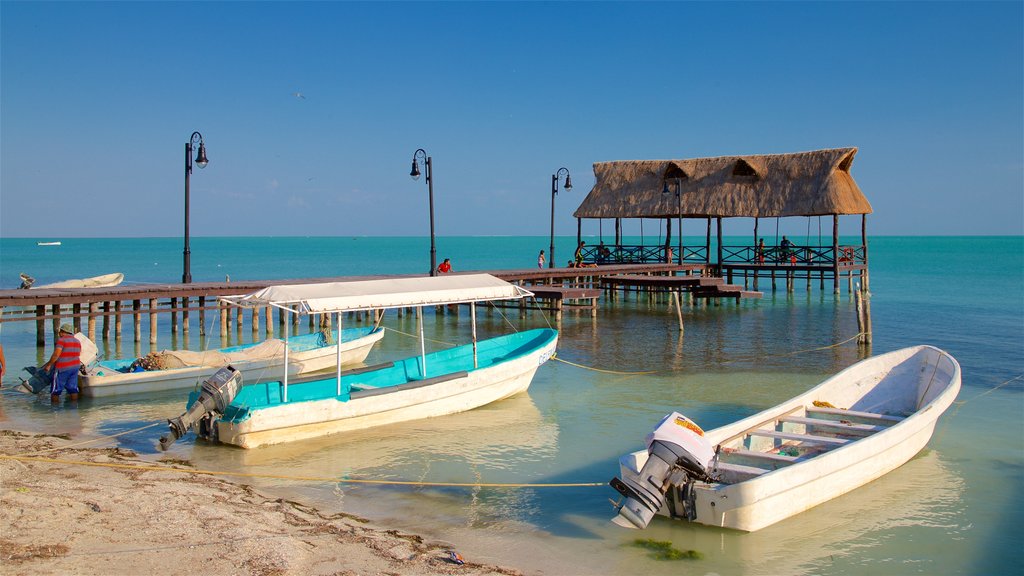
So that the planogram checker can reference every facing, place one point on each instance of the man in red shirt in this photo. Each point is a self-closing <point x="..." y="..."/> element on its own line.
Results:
<point x="65" y="360"/>
<point x="445" y="267"/>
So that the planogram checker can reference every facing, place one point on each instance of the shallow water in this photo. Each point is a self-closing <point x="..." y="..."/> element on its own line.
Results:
<point x="954" y="509"/>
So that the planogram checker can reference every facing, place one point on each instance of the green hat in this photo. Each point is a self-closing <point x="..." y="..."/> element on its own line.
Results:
<point x="67" y="328"/>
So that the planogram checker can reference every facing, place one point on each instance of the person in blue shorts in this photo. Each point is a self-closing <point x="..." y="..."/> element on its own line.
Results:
<point x="65" y="362"/>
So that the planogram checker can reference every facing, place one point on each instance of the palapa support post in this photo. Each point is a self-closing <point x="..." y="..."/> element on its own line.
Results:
<point x="269" y="311"/>
<point x="835" y="253"/>
<point x="224" y="316"/>
<point x="255" y="314"/>
<point x="76" y="318"/>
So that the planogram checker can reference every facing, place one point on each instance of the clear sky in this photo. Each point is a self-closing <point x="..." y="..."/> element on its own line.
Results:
<point x="311" y="111"/>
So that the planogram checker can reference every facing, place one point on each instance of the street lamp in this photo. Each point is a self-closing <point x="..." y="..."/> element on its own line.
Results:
<point x="554" y="191"/>
<point x="415" y="173"/>
<point x="679" y="202"/>
<point x="201" y="161"/>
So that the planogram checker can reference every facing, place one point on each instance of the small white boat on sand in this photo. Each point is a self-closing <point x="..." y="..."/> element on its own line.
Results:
<point x="103" y="281"/>
<point x="858" y="425"/>
<point x="444" y="382"/>
<point x="184" y="369"/>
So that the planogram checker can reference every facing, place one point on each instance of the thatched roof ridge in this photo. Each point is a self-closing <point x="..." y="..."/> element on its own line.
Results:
<point x="766" y="185"/>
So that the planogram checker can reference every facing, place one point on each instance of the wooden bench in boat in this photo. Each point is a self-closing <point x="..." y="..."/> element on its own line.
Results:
<point x="734" y="473"/>
<point x="844" y="427"/>
<point x="854" y="414"/>
<point x="799" y="437"/>
<point x="773" y="459"/>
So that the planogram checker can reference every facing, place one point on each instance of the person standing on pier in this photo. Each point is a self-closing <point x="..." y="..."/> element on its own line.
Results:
<point x="540" y="260"/>
<point x="3" y="365"/>
<point x="445" y="267"/>
<point x="578" y="257"/>
<point x="65" y="360"/>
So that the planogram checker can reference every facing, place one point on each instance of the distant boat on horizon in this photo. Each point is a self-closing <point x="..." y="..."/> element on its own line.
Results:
<point x="54" y="243"/>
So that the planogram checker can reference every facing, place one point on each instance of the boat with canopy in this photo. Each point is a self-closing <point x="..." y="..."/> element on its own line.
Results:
<point x="428" y="385"/>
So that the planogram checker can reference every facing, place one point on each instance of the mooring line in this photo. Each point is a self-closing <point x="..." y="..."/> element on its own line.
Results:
<point x="150" y="468"/>
<point x="89" y="441"/>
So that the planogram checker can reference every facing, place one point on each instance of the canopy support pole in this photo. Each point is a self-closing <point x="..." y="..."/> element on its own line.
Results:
<point x="338" y="343"/>
<point x="472" y="322"/>
<point x="284" y="380"/>
<point x="423" y="344"/>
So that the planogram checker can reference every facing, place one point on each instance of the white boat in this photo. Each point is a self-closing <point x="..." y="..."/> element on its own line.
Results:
<point x="94" y="282"/>
<point x="436" y="384"/>
<point x="854" y="427"/>
<point x="184" y="369"/>
<point x="55" y="243"/>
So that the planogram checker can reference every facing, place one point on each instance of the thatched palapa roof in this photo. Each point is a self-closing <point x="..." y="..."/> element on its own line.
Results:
<point x="768" y="185"/>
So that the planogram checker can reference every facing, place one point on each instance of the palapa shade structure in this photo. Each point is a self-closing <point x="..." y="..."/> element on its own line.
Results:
<point x="812" y="183"/>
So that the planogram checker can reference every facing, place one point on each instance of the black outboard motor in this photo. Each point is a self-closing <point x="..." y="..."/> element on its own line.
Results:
<point x="217" y="392"/>
<point x="676" y="447"/>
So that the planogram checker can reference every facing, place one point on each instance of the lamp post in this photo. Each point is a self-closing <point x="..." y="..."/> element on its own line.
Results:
<point x="415" y="173"/>
<point x="201" y="161"/>
<point x="554" y="192"/>
<point x="679" y="205"/>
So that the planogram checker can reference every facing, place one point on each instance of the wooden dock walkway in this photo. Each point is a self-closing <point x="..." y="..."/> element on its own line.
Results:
<point x="557" y="288"/>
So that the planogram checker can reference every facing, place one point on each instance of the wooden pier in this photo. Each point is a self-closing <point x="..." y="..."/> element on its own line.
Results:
<point x="104" y="310"/>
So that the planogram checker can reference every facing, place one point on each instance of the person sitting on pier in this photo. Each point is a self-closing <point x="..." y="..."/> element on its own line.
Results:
<point x="445" y="267"/>
<point x="65" y="359"/>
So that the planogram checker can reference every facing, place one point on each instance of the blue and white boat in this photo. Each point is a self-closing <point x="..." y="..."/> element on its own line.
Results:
<point x="445" y="382"/>
<point x="185" y="369"/>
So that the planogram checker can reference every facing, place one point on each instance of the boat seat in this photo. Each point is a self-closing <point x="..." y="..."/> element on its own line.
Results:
<point x="844" y="427"/>
<point x="799" y="437"/>
<point x="776" y="460"/>
<point x="733" y="472"/>
<point x="855" y="414"/>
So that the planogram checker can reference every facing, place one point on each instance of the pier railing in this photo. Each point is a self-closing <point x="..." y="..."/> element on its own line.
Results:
<point x="794" y="254"/>
<point x="641" y="254"/>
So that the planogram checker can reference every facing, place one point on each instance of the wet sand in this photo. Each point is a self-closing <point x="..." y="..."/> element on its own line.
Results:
<point x="127" y="516"/>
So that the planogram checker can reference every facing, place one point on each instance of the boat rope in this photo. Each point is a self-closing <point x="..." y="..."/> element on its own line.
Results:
<point x="591" y="368"/>
<point x="91" y="440"/>
<point x="365" y="481"/>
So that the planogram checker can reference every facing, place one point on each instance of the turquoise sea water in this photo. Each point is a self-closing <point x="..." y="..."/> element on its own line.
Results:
<point x="954" y="509"/>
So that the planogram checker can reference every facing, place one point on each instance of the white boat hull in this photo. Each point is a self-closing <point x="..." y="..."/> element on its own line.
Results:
<point x="299" y="363"/>
<point x="310" y="419"/>
<point x="924" y="387"/>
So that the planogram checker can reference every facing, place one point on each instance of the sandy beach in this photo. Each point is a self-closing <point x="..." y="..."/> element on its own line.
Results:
<point x="110" y="512"/>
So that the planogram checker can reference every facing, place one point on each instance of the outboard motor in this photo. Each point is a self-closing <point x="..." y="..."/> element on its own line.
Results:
<point x="677" y="447"/>
<point x="217" y="392"/>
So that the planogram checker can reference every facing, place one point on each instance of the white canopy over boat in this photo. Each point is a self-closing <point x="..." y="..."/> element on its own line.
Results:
<point x="327" y="297"/>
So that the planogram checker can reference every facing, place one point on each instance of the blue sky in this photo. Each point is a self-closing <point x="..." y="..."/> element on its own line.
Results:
<point x="98" y="100"/>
